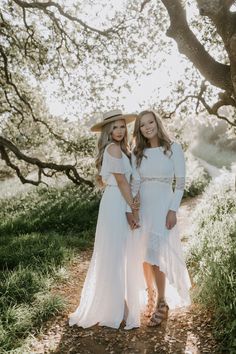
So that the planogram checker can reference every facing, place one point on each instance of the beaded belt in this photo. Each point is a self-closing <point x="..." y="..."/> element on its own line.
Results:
<point x="179" y="181"/>
<point x="168" y="180"/>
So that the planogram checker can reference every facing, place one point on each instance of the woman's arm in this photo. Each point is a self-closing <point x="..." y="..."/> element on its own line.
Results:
<point x="115" y="152"/>
<point x="179" y="171"/>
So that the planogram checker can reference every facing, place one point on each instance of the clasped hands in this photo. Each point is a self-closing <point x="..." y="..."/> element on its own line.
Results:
<point x="133" y="217"/>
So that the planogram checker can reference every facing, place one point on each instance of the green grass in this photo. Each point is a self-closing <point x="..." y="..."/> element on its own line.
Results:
<point x="212" y="258"/>
<point x="39" y="231"/>
<point x="65" y="209"/>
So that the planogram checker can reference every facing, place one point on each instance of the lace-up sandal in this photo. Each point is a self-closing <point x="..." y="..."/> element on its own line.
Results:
<point x="151" y="304"/>
<point x="159" y="315"/>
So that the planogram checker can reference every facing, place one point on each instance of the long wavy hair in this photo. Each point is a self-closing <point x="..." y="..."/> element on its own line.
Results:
<point x="104" y="139"/>
<point x="141" y="143"/>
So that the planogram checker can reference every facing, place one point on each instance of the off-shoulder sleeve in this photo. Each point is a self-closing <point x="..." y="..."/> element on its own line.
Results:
<point x="179" y="172"/>
<point x="114" y="164"/>
<point x="135" y="180"/>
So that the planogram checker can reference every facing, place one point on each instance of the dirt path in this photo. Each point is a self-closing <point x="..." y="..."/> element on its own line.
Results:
<point x="186" y="331"/>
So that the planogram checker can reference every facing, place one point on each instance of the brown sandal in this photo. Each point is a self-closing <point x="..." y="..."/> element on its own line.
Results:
<point x="151" y="304"/>
<point x="159" y="315"/>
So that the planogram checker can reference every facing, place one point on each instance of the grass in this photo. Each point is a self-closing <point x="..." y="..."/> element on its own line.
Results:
<point x="212" y="258"/>
<point x="39" y="231"/>
<point x="55" y="209"/>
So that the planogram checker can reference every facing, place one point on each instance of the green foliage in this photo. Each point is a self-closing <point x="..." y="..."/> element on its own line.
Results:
<point x="18" y="320"/>
<point x="212" y="257"/>
<point x="38" y="233"/>
<point x="196" y="177"/>
<point x="69" y="209"/>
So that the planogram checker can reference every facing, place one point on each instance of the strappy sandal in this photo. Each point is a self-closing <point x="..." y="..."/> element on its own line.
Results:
<point x="151" y="304"/>
<point x="159" y="315"/>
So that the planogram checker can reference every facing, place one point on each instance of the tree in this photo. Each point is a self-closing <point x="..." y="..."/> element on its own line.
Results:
<point x="44" y="42"/>
<point x="47" y="41"/>
<point x="223" y="30"/>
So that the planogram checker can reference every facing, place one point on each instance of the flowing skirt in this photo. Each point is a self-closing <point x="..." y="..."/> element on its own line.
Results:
<point x="103" y="296"/>
<point x="155" y="244"/>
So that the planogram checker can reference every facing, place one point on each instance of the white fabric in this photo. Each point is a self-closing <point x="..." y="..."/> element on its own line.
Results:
<point x="112" y="165"/>
<point x="103" y="295"/>
<point x="154" y="243"/>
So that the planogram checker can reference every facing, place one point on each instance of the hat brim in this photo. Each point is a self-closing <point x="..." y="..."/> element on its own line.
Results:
<point x="127" y="117"/>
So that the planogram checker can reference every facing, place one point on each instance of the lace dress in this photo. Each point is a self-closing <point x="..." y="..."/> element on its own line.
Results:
<point x="153" y="242"/>
<point x="103" y="295"/>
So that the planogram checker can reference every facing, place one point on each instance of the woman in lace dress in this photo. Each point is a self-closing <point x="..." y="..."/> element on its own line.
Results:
<point x="156" y="161"/>
<point x="103" y="296"/>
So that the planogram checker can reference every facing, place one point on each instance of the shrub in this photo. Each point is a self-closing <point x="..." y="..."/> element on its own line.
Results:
<point x="196" y="177"/>
<point x="212" y="257"/>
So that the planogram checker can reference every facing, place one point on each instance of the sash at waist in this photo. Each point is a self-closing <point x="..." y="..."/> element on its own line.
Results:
<point x="168" y="180"/>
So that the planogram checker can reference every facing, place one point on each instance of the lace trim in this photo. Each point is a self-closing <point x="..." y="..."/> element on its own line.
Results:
<point x="179" y="181"/>
<point x="168" y="180"/>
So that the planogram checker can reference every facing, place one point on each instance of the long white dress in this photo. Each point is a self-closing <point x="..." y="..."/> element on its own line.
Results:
<point x="103" y="296"/>
<point x="153" y="242"/>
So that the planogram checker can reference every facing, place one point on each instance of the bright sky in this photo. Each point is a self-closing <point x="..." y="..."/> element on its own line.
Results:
<point x="159" y="81"/>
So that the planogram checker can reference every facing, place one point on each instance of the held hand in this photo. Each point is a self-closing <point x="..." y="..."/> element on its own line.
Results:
<point x="171" y="219"/>
<point x="136" y="203"/>
<point x="133" y="223"/>
<point x="136" y="215"/>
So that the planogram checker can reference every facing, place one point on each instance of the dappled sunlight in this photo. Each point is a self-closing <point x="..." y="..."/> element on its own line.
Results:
<point x="62" y="64"/>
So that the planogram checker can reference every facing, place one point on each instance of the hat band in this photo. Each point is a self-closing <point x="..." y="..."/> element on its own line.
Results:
<point x="116" y="115"/>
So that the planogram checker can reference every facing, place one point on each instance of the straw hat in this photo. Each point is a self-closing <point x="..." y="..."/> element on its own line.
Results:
<point x="112" y="116"/>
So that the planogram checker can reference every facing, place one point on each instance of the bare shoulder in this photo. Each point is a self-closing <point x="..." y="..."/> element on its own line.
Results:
<point x="114" y="150"/>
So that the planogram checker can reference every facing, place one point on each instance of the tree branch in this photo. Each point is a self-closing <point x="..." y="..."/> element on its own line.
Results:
<point x="225" y="100"/>
<point x="144" y="3"/>
<point x="69" y="170"/>
<point x="26" y="102"/>
<point x="44" y="5"/>
<point x="216" y="73"/>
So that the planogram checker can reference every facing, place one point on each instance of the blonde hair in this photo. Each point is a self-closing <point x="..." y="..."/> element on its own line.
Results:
<point x="142" y="143"/>
<point x="105" y="138"/>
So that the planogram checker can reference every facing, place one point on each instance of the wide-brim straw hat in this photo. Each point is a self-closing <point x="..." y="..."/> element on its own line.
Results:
<point x="112" y="116"/>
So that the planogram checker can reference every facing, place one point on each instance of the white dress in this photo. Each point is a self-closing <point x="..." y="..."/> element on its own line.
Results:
<point x="153" y="242"/>
<point x="103" y="296"/>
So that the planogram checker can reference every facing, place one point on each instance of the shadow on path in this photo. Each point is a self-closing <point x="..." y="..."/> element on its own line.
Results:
<point x="187" y="330"/>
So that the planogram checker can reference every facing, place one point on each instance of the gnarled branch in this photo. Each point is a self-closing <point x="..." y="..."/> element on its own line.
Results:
<point x="70" y="170"/>
<point x="225" y="100"/>
<point x="216" y="73"/>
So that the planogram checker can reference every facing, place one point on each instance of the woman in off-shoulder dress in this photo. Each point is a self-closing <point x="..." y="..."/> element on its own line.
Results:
<point x="103" y="296"/>
<point x="156" y="246"/>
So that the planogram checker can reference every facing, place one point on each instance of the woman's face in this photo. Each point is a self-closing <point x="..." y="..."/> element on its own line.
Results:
<point x="118" y="131"/>
<point x="148" y="126"/>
